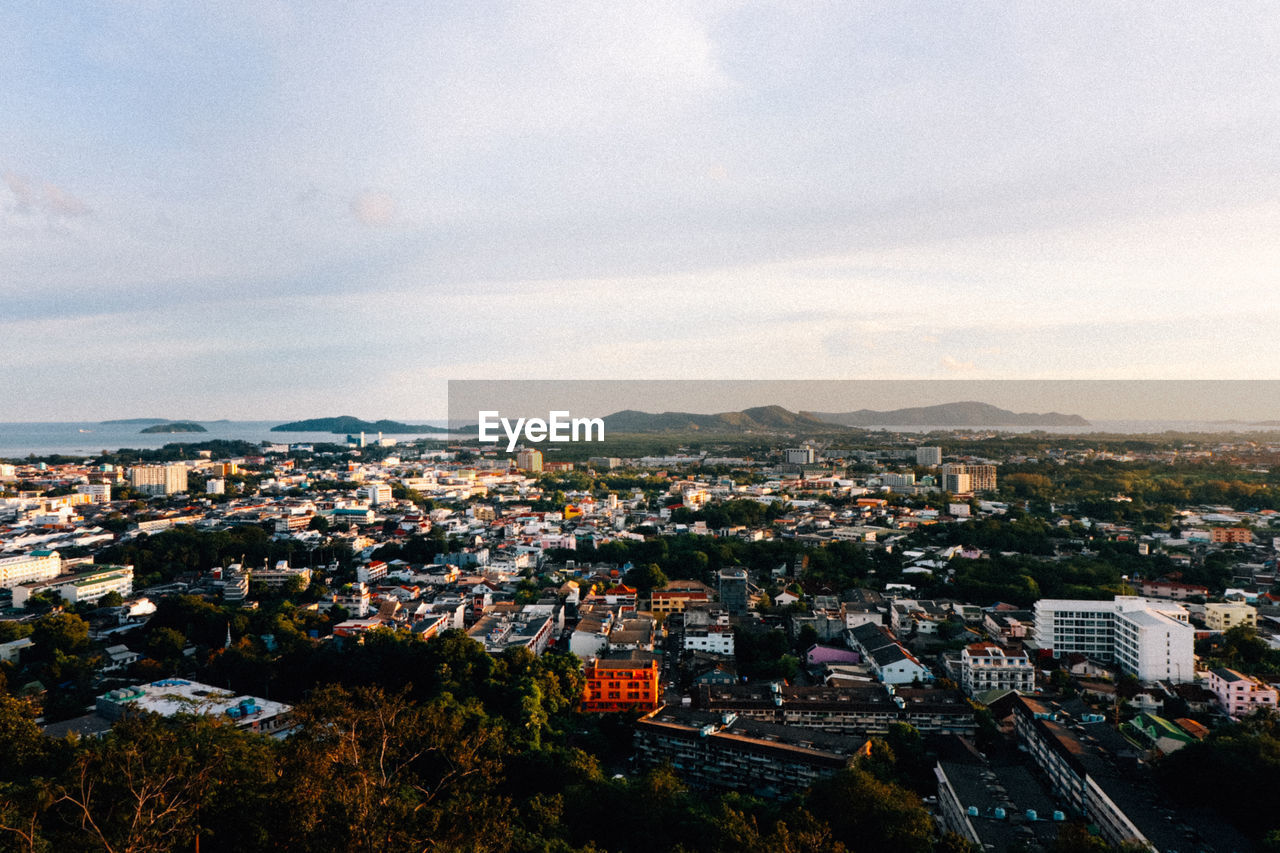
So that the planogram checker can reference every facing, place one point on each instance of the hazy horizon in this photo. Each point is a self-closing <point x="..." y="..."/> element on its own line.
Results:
<point x="1094" y="400"/>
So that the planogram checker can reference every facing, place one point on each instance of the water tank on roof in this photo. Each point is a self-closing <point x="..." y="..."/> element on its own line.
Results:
<point x="999" y="813"/>
<point x="1059" y="816"/>
<point x="1031" y="814"/>
<point x="972" y="811"/>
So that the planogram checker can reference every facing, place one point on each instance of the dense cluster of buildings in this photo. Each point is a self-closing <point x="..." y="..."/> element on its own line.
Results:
<point x="505" y="572"/>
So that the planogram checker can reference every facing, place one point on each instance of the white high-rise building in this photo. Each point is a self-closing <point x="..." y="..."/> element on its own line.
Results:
<point x="1150" y="639"/>
<point x="931" y="456"/>
<point x="168" y="479"/>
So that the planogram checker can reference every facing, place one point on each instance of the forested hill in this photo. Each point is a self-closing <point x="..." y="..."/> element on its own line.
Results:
<point x="350" y="424"/>
<point x="765" y="419"/>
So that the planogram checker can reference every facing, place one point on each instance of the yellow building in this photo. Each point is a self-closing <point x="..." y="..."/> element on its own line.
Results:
<point x="677" y="595"/>
<point x="529" y="460"/>
<point x="1225" y="615"/>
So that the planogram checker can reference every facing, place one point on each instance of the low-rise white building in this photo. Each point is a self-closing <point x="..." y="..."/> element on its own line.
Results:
<point x="82" y="586"/>
<point x="280" y="575"/>
<point x="99" y="493"/>
<point x="985" y="666"/>
<point x="35" y="566"/>
<point x="171" y="696"/>
<point x="716" y="639"/>
<point x="354" y="599"/>
<point x="591" y="636"/>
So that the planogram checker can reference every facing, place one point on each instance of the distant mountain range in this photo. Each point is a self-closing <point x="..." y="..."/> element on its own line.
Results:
<point x="778" y="419"/>
<point x="758" y="419"/>
<point x="349" y="424"/>
<point x="966" y="414"/>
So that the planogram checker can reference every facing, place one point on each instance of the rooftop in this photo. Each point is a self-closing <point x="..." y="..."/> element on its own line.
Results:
<point x="171" y="696"/>
<point x="800" y="743"/>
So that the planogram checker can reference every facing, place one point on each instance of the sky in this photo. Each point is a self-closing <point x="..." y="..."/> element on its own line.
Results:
<point x="283" y="209"/>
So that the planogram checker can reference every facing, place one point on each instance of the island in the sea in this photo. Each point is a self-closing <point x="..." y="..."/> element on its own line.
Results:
<point x="175" y="426"/>
<point x="350" y="424"/>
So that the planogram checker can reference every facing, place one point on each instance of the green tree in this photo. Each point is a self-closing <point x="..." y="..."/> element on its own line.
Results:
<point x="950" y="842"/>
<point x="374" y="771"/>
<point x="13" y="630"/>
<point x="293" y="587"/>
<point x="156" y="784"/>
<point x="27" y="753"/>
<point x="647" y="577"/>
<point x="869" y="815"/>
<point x="166" y="645"/>
<point x="60" y="632"/>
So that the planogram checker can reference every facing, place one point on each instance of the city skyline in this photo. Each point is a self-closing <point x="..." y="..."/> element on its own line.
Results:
<point x="258" y="209"/>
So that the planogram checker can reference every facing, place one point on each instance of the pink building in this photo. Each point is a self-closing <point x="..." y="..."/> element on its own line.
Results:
<point x="1239" y="695"/>
<point x="1172" y="589"/>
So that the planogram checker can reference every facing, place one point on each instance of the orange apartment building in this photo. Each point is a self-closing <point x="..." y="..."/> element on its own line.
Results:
<point x="1231" y="535"/>
<point x="628" y="682"/>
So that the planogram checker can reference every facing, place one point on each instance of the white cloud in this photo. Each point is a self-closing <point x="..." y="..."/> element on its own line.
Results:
<point x="52" y="202"/>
